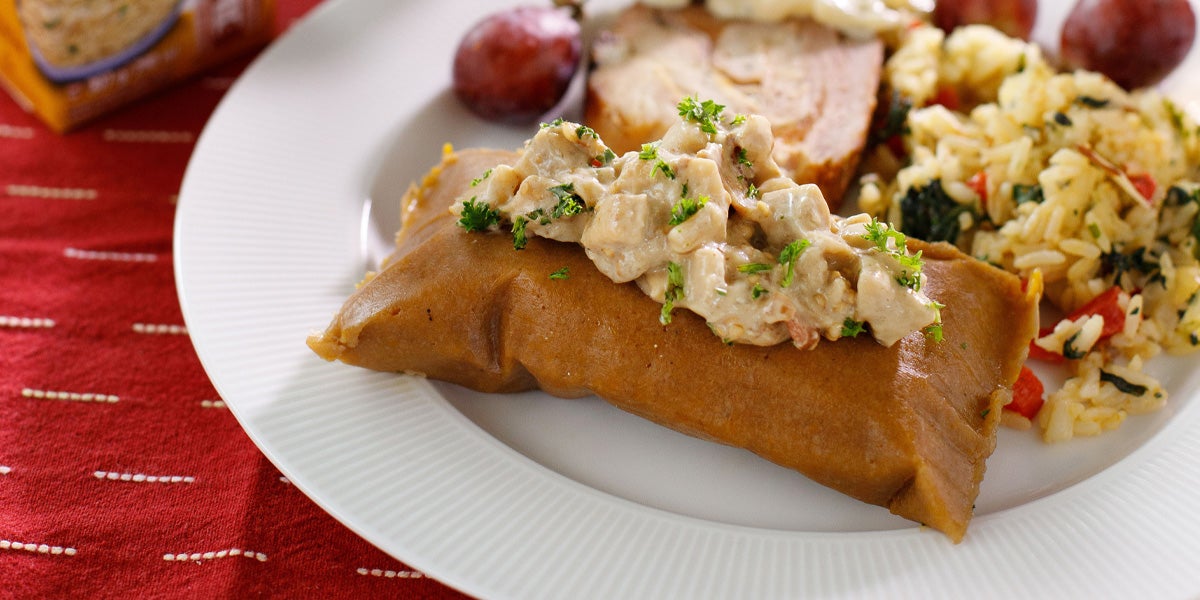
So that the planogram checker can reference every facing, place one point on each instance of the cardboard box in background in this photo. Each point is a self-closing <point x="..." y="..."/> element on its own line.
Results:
<point x="71" y="60"/>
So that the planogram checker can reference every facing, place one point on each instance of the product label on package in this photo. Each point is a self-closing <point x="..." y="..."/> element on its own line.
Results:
<point x="69" y="61"/>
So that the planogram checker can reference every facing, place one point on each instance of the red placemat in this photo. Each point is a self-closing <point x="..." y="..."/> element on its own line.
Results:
<point x="122" y="474"/>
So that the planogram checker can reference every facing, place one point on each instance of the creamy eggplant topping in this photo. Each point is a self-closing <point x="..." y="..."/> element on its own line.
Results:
<point x="704" y="220"/>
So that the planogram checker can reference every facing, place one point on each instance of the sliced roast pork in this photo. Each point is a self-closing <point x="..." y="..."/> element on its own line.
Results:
<point x="816" y="86"/>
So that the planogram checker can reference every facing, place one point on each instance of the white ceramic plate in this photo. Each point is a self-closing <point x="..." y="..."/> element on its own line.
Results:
<point x="531" y="496"/>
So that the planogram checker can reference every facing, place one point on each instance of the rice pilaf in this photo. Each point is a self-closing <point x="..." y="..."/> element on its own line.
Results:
<point x="1062" y="176"/>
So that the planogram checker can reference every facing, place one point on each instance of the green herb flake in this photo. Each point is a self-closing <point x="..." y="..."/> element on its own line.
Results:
<point x="664" y="168"/>
<point x="738" y="119"/>
<point x="674" y="292"/>
<point x="604" y="159"/>
<point x="757" y="291"/>
<point x="555" y="123"/>
<point x="1123" y="385"/>
<point x="518" y="233"/>
<point x="934" y="332"/>
<point x="1094" y="229"/>
<point x="584" y="131"/>
<point x="1027" y="193"/>
<point x="851" y="328"/>
<point x="752" y="268"/>
<point x="1070" y="351"/>
<point x="563" y="273"/>
<point x="740" y="153"/>
<point x="569" y="203"/>
<point x="787" y="258"/>
<point x="705" y="114"/>
<point x="686" y="208"/>
<point x="479" y="180"/>
<point x="1091" y="102"/>
<point x="752" y="191"/>
<point x="649" y="152"/>
<point x="477" y="216"/>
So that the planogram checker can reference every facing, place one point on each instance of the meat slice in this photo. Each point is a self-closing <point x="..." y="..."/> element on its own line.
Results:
<point x="817" y="87"/>
<point x="908" y="427"/>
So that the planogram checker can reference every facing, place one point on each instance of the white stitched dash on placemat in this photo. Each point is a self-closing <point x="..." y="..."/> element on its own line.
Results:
<point x="212" y="404"/>
<point x="148" y="135"/>
<point x="159" y="329"/>
<point x="36" y="548"/>
<point x="142" y="477"/>
<point x="41" y="191"/>
<point x="70" y="396"/>
<point x="114" y="256"/>
<point x="25" y="322"/>
<point x="5" y="470"/>
<point x="198" y="556"/>
<point x="15" y="132"/>
<point x="389" y="573"/>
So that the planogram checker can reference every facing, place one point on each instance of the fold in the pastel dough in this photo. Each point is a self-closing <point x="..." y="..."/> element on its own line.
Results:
<point x="907" y="427"/>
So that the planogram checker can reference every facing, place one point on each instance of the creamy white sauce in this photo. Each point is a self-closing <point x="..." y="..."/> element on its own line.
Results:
<point x="758" y="256"/>
<point x="853" y="17"/>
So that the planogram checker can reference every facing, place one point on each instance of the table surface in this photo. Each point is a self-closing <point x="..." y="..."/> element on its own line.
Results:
<point x="122" y="473"/>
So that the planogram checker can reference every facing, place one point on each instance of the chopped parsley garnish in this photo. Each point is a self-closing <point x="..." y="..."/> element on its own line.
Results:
<point x="787" y="258"/>
<point x="851" y="328"/>
<point x="555" y="123"/>
<point x="752" y="268"/>
<point x="740" y="153"/>
<point x="909" y="280"/>
<point x="705" y="114"/>
<point x="477" y="216"/>
<point x="562" y="273"/>
<point x="757" y="291"/>
<point x="752" y="191"/>
<point x="479" y="180"/>
<point x="604" y="159"/>
<point x="674" y="291"/>
<point x="584" y="131"/>
<point x="1122" y="384"/>
<point x="1094" y="229"/>
<point x="569" y="203"/>
<point x="649" y="151"/>
<point x="685" y="208"/>
<point x="930" y="214"/>
<point x="879" y="235"/>
<point x="518" y="233"/>
<point x="933" y="331"/>
<point x="738" y="119"/>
